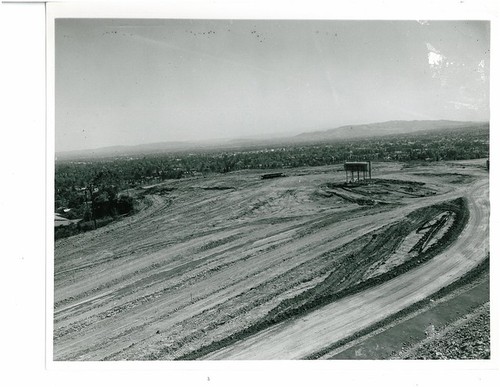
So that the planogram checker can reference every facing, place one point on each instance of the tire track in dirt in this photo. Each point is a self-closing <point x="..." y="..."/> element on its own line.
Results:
<point x="297" y="339"/>
<point x="176" y="269"/>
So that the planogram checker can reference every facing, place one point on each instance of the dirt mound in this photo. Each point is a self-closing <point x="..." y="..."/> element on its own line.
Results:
<point x="451" y="178"/>
<point x="378" y="191"/>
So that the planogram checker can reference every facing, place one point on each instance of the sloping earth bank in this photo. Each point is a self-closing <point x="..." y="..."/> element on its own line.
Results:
<point x="201" y="266"/>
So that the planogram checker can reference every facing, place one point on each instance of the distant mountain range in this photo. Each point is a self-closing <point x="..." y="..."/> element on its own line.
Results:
<point x="386" y="128"/>
<point x="340" y="133"/>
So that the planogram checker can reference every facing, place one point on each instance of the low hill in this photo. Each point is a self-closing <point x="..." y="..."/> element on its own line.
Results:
<point x="385" y="128"/>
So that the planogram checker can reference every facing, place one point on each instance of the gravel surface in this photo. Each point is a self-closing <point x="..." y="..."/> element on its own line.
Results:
<point x="466" y="339"/>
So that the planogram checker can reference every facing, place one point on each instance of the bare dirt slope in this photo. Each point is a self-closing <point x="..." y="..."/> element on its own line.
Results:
<point x="342" y="318"/>
<point x="467" y="338"/>
<point x="238" y="267"/>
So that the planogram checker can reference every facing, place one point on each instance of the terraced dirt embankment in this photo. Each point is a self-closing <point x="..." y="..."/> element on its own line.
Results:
<point x="262" y="264"/>
<point x="467" y="338"/>
<point x="414" y="324"/>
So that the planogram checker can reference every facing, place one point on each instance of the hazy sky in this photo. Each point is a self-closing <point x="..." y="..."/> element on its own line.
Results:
<point x="125" y="82"/>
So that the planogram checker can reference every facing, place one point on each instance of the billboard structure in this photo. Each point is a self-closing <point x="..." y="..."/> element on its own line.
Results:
<point x="356" y="167"/>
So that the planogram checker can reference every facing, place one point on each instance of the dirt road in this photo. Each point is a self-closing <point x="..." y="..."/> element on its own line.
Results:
<point x="297" y="339"/>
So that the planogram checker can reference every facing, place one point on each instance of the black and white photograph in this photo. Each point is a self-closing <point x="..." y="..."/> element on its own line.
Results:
<point x="250" y="193"/>
<point x="271" y="189"/>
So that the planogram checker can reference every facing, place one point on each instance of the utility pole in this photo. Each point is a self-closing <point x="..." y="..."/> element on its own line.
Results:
<point x="90" y="188"/>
